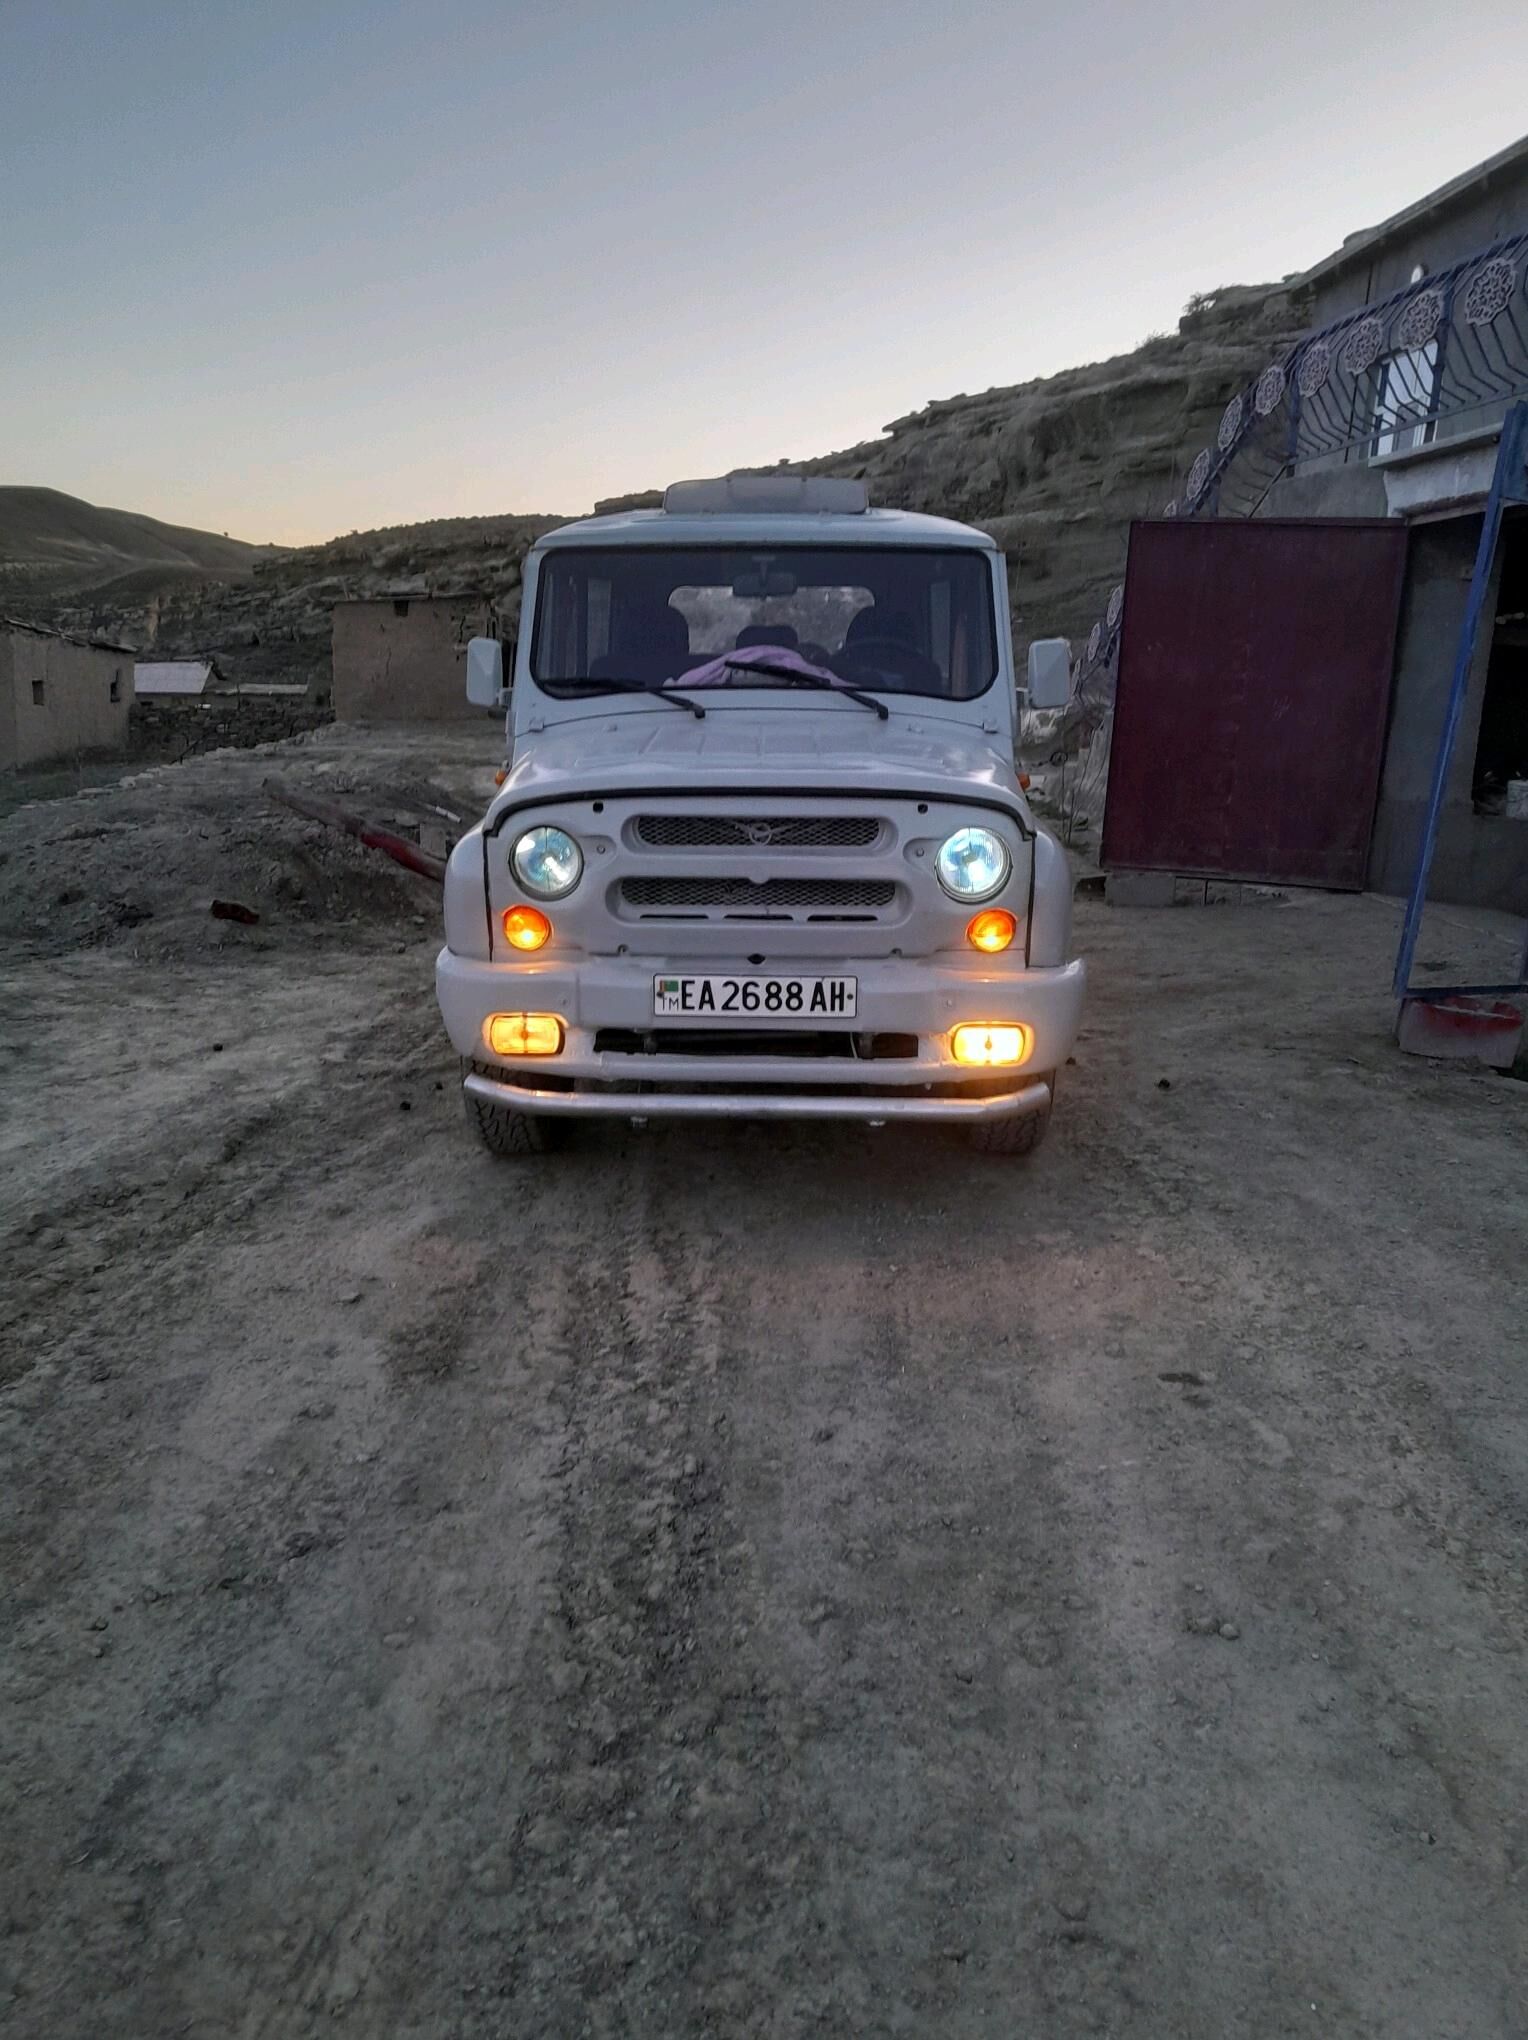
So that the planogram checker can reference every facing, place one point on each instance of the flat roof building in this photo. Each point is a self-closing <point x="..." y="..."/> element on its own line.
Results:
<point x="403" y="658"/>
<point x="60" y="697"/>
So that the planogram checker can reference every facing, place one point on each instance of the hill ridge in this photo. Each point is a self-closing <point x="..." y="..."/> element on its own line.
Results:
<point x="46" y="533"/>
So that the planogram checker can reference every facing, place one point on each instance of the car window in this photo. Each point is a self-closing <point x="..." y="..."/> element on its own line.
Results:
<point x="902" y="620"/>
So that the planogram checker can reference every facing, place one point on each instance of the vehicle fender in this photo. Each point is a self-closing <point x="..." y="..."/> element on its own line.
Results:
<point x="466" y="899"/>
<point x="1050" y="930"/>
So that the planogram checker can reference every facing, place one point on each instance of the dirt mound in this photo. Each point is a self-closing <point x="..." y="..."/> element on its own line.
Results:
<point x="139" y="864"/>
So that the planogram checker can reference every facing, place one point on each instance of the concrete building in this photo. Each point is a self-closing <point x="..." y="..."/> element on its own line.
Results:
<point x="1390" y="407"/>
<point x="60" y="697"/>
<point x="1432" y="412"/>
<point x="403" y="658"/>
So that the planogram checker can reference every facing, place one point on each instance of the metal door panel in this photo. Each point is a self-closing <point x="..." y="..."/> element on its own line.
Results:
<point x="1252" y="696"/>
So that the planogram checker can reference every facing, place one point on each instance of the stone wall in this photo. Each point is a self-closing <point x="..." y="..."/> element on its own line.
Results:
<point x="179" y="726"/>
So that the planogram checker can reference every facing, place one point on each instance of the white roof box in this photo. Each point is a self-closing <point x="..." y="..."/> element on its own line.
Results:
<point x="788" y="495"/>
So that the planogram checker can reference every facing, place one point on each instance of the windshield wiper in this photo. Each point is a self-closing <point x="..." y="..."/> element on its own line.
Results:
<point x="809" y="680"/>
<point x="659" y="689"/>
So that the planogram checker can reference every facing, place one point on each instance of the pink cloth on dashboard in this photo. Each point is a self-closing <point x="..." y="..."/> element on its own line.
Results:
<point x="723" y="671"/>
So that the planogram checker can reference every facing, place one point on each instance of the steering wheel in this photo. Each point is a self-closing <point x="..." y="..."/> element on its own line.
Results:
<point x="882" y="651"/>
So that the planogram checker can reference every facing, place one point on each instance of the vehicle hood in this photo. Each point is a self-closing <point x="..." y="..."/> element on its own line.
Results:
<point x="798" y="749"/>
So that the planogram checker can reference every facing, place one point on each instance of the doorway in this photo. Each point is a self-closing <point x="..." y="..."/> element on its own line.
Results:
<point x="1501" y="751"/>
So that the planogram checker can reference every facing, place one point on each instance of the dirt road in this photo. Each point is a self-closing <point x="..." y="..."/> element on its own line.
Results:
<point x="745" y="1581"/>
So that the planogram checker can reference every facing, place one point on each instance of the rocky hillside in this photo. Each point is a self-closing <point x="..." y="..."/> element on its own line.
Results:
<point x="1055" y="469"/>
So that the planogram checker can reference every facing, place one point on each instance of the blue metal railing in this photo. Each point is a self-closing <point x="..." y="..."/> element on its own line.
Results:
<point x="1509" y="485"/>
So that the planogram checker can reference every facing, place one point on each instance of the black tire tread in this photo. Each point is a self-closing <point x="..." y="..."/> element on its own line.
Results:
<point x="1019" y="1134"/>
<point x="503" y="1131"/>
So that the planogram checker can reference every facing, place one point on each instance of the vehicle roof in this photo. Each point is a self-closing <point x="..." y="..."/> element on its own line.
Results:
<point x="767" y="528"/>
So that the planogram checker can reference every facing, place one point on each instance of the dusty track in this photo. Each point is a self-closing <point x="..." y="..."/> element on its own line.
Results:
<point x="752" y="1581"/>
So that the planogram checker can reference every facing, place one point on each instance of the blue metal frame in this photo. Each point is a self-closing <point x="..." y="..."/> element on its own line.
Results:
<point x="1509" y="484"/>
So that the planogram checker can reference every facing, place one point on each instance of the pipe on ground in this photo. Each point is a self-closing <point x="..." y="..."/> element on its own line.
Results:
<point x="399" y="848"/>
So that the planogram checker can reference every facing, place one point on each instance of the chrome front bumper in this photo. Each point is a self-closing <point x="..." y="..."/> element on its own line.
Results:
<point x="1033" y="1096"/>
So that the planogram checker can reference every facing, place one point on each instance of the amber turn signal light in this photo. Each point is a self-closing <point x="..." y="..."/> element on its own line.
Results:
<point x="991" y="930"/>
<point x="986" y="1047"/>
<point x="525" y="1034"/>
<point x="526" y="928"/>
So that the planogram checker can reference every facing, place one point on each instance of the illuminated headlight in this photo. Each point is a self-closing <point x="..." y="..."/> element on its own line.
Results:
<point x="973" y="864"/>
<point x="547" y="862"/>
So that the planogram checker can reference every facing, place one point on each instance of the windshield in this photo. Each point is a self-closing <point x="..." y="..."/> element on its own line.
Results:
<point x="892" y="619"/>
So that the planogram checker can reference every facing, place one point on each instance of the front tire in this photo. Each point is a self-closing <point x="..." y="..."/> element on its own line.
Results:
<point x="1019" y="1134"/>
<point x="506" y="1133"/>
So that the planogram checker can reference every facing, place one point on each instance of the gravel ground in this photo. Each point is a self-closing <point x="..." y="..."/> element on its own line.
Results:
<point x="742" y="1580"/>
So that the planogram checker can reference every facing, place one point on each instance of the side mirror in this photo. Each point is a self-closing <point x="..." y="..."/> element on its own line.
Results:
<point x="1050" y="673"/>
<point x="485" y="673"/>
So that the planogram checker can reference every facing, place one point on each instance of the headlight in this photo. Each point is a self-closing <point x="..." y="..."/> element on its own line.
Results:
<point x="547" y="862"/>
<point x="973" y="864"/>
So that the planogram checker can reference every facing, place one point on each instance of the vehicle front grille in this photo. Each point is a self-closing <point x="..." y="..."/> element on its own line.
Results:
<point x="739" y="898"/>
<point x="721" y="1041"/>
<point x="751" y="832"/>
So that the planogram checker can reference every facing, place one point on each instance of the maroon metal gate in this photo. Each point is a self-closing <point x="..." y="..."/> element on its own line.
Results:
<point x="1252" y="696"/>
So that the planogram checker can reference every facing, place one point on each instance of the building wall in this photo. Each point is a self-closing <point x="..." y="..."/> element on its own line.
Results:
<point x="1442" y="240"/>
<point x="1474" y="220"/>
<point x="1354" y="490"/>
<point x="59" y="699"/>
<point x="174" y="726"/>
<point x="405" y="661"/>
<point x="7" y="704"/>
<point x="1480" y="860"/>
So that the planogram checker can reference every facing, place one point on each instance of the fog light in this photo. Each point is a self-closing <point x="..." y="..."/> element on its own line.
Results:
<point x="984" y="1047"/>
<point x="992" y="930"/>
<point x="526" y="928"/>
<point x="525" y="1034"/>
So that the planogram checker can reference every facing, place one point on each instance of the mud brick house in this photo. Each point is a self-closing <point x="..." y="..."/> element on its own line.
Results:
<point x="403" y="658"/>
<point x="60" y="697"/>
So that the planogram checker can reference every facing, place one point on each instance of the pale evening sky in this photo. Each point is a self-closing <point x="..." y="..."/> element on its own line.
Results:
<point x="288" y="269"/>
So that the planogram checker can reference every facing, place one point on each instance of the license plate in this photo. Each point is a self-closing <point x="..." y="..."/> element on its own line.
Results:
<point x="751" y="998"/>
